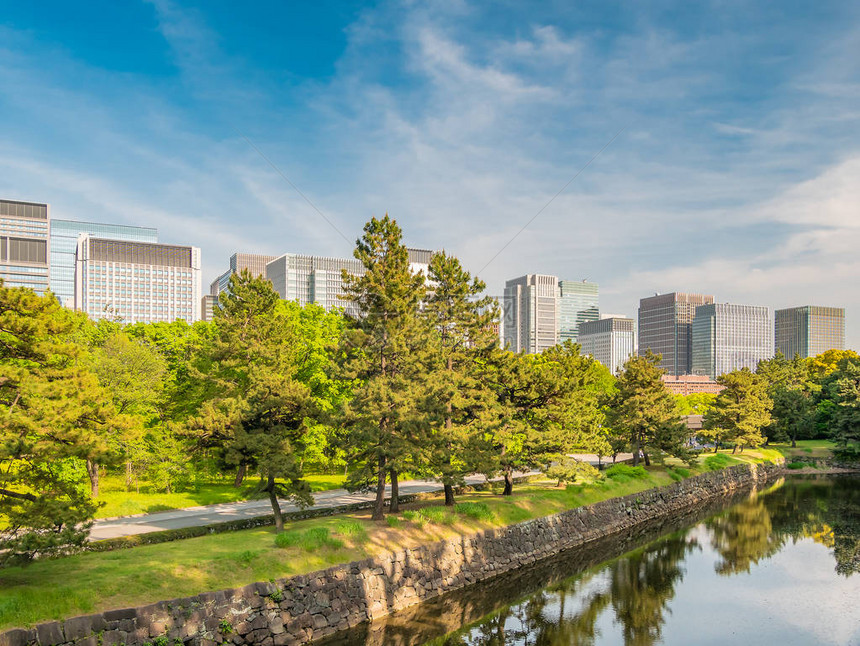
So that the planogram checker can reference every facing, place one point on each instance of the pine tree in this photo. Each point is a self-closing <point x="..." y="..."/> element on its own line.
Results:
<point x="260" y="410"/>
<point x="742" y="409"/>
<point x="643" y="412"/>
<point x="383" y="352"/>
<point x="793" y="392"/>
<point x="53" y="420"/>
<point x="463" y="336"/>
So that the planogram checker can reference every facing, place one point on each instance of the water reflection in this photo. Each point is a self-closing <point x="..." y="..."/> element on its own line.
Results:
<point x="759" y="548"/>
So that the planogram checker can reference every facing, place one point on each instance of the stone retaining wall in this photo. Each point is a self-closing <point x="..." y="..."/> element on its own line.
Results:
<point x="304" y="608"/>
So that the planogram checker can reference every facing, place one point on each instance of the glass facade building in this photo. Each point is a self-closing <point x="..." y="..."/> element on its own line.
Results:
<point x="608" y="340"/>
<point x="64" y="245"/>
<point x="25" y="229"/>
<point x="809" y="330"/>
<point x="137" y="281"/>
<point x="578" y="303"/>
<point x="729" y="337"/>
<point x="665" y="328"/>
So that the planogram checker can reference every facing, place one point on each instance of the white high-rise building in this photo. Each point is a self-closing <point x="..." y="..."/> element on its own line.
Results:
<point x="531" y="313"/>
<point x="137" y="281"/>
<point x="609" y="340"/>
<point x="727" y="337"/>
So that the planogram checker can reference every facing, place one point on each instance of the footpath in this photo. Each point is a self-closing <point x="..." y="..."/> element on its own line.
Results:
<point x="212" y="514"/>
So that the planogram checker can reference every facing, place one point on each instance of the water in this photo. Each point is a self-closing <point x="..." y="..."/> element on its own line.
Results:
<point x="781" y="567"/>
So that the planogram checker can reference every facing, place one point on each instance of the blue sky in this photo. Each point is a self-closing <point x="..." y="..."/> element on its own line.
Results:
<point x="737" y="172"/>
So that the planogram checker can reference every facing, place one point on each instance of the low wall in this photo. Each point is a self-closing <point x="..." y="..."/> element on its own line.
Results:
<point x="304" y="608"/>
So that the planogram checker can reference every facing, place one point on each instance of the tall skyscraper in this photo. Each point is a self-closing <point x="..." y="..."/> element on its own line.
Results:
<point x="665" y="328"/>
<point x="809" y="330"/>
<point x="64" y="245"/>
<point x="25" y="229"/>
<point x="137" y="281"/>
<point x="255" y="263"/>
<point x="608" y="340"/>
<point x="317" y="279"/>
<point x="578" y="302"/>
<point x="531" y="313"/>
<point x="728" y="337"/>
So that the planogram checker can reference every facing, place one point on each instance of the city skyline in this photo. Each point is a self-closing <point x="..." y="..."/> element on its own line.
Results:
<point x="734" y="175"/>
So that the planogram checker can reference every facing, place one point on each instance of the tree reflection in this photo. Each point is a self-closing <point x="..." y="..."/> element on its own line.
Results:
<point x="638" y="587"/>
<point x="743" y="536"/>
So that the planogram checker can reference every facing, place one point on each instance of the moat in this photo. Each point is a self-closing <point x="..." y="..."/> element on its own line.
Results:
<point x="781" y="566"/>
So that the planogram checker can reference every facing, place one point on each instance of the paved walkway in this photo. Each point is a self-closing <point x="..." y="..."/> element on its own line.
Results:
<point x="212" y="514"/>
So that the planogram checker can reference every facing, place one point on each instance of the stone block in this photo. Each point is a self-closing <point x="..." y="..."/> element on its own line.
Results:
<point x="80" y="627"/>
<point x="50" y="634"/>
<point x="114" y="638"/>
<point x="17" y="637"/>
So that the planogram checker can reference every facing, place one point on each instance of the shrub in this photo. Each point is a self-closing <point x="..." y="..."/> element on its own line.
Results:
<point x="625" y="473"/>
<point x="476" y="510"/>
<point x="393" y="521"/>
<point x="796" y="465"/>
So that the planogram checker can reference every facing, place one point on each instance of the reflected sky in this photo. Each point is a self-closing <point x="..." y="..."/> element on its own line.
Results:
<point x="780" y="568"/>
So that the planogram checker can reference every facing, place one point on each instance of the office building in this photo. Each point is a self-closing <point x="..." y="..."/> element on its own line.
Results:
<point x="25" y="229"/>
<point x="531" y="313"/>
<point x="809" y="330"/>
<point x="64" y="245"/>
<point x="691" y="384"/>
<point x="728" y="337"/>
<point x="207" y="307"/>
<point x="578" y="303"/>
<point x="609" y="340"/>
<point x="665" y="328"/>
<point x="318" y="279"/>
<point x="255" y="263"/>
<point x="137" y="281"/>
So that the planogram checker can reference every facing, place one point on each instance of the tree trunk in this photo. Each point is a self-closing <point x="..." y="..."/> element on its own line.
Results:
<point x="128" y="475"/>
<point x="734" y="449"/>
<point x="379" y="505"/>
<point x="394" y="505"/>
<point x="449" y="495"/>
<point x="646" y="458"/>
<point x="509" y="482"/>
<point x="636" y="453"/>
<point x="276" y="506"/>
<point x="793" y="443"/>
<point x="240" y="475"/>
<point x="93" y="472"/>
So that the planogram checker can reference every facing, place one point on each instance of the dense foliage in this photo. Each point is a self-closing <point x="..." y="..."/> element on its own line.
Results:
<point x="410" y="381"/>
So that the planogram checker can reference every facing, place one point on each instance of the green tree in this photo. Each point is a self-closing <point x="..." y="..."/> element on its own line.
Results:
<point x="260" y="410"/>
<point x="382" y="355"/>
<point x="742" y="410"/>
<point x="643" y="413"/>
<point x="52" y="422"/>
<point x="547" y="407"/>
<point x="462" y="337"/>
<point x="695" y="403"/>
<point x="793" y="394"/>
<point x="842" y="390"/>
<point x="134" y="374"/>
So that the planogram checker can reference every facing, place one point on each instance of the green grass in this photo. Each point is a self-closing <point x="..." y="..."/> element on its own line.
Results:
<point x="625" y="473"/>
<point x="87" y="583"/>
<point x="309" y="540"/>
<point x="119" y="502"/>
<point x="797" y="465"/>
<point x="476" y="510"/>
<point x="718" y="461"/>
<point x="805" y="448"/>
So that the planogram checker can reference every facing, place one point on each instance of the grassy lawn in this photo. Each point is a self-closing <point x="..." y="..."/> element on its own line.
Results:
<point x="119" y="502"/>
<point x="805" y="449"/>
<point x="86" y="583"/>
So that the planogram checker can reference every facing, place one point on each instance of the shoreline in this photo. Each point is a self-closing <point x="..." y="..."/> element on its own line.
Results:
<point x="306" y="608"/>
